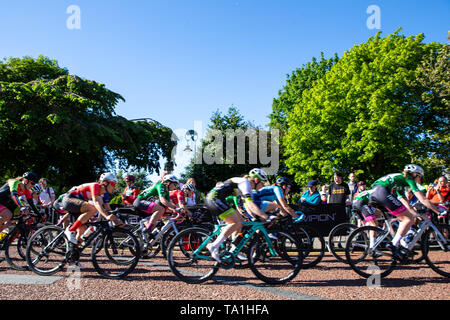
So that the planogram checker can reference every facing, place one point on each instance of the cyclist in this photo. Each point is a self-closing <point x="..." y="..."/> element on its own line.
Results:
<point x="157" y="208"/>
<point x="11" y="195"/>
<point x="396" y="204"/>
<point x="76" y="202"/>
<point x="273" y="197"/>
<point x="179" y="197"/>
<point x="130" y="192"/>
<point x="216" y="204"/>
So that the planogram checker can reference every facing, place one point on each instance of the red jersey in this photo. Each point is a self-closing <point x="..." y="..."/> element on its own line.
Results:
<point x="177" y="197"/>
<point x="87" y="191"/>
<point x="130" y="194"/>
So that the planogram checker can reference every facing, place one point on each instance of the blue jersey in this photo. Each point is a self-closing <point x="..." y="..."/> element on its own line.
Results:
<point x="272" y="193"/>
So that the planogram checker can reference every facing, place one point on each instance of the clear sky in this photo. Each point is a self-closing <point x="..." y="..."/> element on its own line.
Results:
<point x="177" y="61"/>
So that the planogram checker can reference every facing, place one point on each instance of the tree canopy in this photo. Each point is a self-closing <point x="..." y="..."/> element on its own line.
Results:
<point x="65" y="127"/>
<point x="365" y="115"/>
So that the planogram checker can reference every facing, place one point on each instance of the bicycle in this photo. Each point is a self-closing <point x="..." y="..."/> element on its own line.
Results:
<point x="49" y="250"/>
<point x="15" y="242"/>
<point x="272" y="262"/>
<point x="432" y="239"/>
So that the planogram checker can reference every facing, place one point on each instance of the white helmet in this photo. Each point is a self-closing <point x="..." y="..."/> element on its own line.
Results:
<point x="414" y="168"/>
<point x="37" y="188"/>
<point x="108" y="176"/>
<point x="189" y="187"/>
<point x="170" y="178"/>
<point x="258" y="173"/>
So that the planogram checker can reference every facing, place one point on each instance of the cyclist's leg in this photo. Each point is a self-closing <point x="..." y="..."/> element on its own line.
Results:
<point x="5" y="218"/>
<point x="154" y="209"/>
<point x="80" y="208"/>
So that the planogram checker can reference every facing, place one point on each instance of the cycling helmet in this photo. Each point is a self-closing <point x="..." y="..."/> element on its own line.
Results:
<point x="282" y="181"/>
<point x="170" y="178"/>
<point x="37" y="188"/>
<point x="130" y="178"/>
<point x="414" y="168"/>
<point x="31" y="176"/>
<point x="258" y="173"/>
<point x="108" y="176"/>
<point x="189" y="187"/>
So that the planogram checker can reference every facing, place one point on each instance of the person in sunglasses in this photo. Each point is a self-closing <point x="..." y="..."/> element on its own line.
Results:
<point x="85" y="201"/>
<point x="12" y="194"/>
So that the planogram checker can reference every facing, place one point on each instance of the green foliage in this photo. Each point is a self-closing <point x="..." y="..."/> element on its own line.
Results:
<point x="207" y="175"/>
<point x="65" y="128"/>
<point x="363" y="115"/>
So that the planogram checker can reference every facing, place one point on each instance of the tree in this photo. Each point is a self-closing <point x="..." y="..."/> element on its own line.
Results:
<point x="230" y="160"/>
<point x="65" y="127"/>
<point x="363" y="115"/>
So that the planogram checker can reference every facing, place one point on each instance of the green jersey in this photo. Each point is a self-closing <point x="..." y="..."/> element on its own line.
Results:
<point x="397" y="182"/>
<point x="158" y="190"/>
<point x="363" y="196"/>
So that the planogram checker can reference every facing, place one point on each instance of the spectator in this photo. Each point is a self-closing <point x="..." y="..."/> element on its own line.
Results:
<point x="130" y="192"/>
<point x="339" y="191"/>
<point x="439" y="192"/>
<point x="47" y="198"/>
<point x="352" y="185"/>
<point x="311" y="196"/>
<point x="190" y="201"/>
<point x="324" y="194"/>
<point x="361" y="187"/>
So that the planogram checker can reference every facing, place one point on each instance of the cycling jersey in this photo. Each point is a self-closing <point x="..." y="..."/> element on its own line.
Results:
<point x="360" y="203"/>
<point x="215" y="200"/>
<point x="271" y="193"/>
<point x="232" y="201"/>
<point x="86" y="192"/>
<point x="130" y="194"/>
<point x="397" y="182"/>
<point x="11" y="197"/>
<point x="158" y="190"/>
<point x="177" y="197"/>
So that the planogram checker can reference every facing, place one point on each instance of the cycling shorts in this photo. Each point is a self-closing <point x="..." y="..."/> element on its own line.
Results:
<point x="383" y="197"/>
<point x="144" y="205"/>
<point x="363" y="210"/>
<point x="219" y="208"/>
<point x="262" y="204"/>
<point x="74" y="205"/>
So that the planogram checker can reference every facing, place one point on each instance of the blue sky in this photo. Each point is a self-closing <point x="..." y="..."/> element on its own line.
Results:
<point x="178" y="61"/>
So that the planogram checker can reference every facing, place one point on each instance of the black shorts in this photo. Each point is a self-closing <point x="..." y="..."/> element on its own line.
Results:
<point x="73" y="205"/>
<point x="383" y="197"/>
<point x="220" y="208"/>
<point x="363" y="210"/>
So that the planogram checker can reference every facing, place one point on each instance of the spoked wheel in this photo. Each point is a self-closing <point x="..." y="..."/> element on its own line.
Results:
<point x="436" y="249"/>
<point x="119" y="253"/>
<point x="15" y="250"/>
<point x="184" y="264"/>
<point x="277" y="268"/>
<point x="312" y="246"/>
<point x="367" y="260"/>
<point x="337" y="240"/>
<point x="47" y="250"/>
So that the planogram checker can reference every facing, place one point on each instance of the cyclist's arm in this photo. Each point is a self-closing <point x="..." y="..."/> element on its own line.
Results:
<point x="426" y="202"/>
<point x="167" y="203"/>
<point x="253" y="208"/>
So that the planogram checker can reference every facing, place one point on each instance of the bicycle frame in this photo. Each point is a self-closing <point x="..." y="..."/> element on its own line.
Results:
<point x="255" y="227"/>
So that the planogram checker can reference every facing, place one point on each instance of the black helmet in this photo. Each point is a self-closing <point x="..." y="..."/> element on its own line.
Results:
<point x="31" y="176"/>
<point x="281" y="181"/>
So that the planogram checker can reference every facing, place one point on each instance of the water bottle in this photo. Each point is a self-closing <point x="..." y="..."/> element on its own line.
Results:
<point x="410" y="235"/>
<point x="88" y="232"/>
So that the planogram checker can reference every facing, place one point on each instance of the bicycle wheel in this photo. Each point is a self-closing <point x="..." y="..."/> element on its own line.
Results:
<point x="312" y="246"/>
<point x="367" y="261"/>
<point x="15" y="250"/>
<point x="279" y="268"/>
<point x="337" y="240"/>
<point x="184" y="264"/>
<point x="47" y="250"/>
<point x="119" y="253"/>
<point x="436" y="250"/>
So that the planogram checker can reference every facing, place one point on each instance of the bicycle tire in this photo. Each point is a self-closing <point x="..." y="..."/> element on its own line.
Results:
<point x="380" y="259"/>
<point x="42" y="259"/>
<point x="337" y="240"/>
<point x="183" y="264"/>
<point x="435" y="257"/>
<point x="313" y="246"/>
<point x="15" y="252"/>
<point x="120" y="249"/>
<point x="264" y="265"/>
